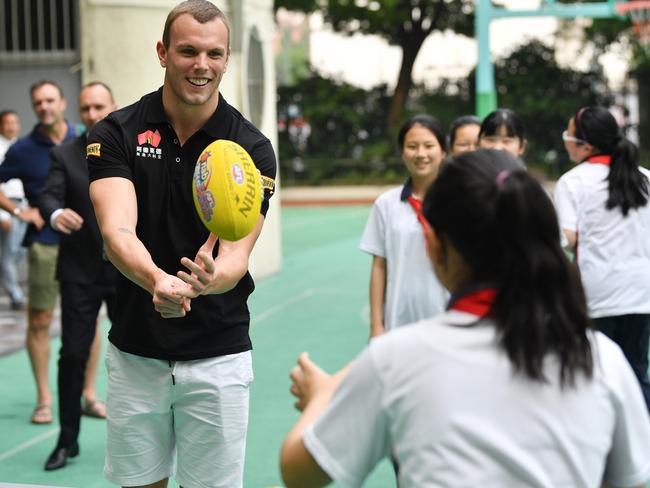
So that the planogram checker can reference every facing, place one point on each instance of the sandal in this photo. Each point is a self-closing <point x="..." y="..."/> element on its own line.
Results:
<point x="42" y="414"/>
<point x="94" y="408"/>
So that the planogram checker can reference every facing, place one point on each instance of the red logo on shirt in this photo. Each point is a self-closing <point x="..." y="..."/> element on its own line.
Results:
<point x="149" y="137"/>
<point x="148" y="143"/>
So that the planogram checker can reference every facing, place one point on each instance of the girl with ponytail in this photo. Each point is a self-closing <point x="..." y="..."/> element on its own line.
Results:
<point x="602" y="205"/>
<point x="509" y="387"/>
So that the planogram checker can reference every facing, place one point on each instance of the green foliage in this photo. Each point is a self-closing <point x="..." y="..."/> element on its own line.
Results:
<point x="546" y="95"/>
<point x="348" y="141"/>
<point x="394" y="20"/>
<point x="404" y="23"/>
<point x="343" y="118"/>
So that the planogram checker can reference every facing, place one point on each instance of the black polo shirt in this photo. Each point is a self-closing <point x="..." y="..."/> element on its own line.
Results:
<point x="138" y="143"/>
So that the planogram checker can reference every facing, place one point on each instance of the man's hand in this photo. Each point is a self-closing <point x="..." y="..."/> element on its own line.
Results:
<point x="170" y="297"/>
<point x="5" y="225"/>
<point x="31" y="215"/>
<point x="309" y="382"/>
<point x="202" y="268"/>
<point x="68" y="221"/>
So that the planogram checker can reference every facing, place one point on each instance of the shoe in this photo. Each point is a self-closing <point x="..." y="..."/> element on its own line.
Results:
<point x="60" y="455"/>
<point x="94" y="408"/>
<point x="42" y="414"/>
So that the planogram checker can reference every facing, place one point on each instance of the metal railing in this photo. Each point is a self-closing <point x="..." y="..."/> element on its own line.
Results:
<point x="39" y="31"/>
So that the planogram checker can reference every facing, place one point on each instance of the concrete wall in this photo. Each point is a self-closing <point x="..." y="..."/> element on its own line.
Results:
<point x="118" y="40"/>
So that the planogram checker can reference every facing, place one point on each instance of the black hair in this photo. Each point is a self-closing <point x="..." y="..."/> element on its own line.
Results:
<point x="42" y="83"/>
<point x="503" y="224"/>
<point x="628" y="187"/>
<point x="426" y="121"/>
<point x="459" y="122"/>
<point x="503" y="117"/>
<point x="4" y="113"/>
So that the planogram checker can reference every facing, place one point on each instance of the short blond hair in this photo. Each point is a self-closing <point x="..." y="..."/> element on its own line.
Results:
<point x="201" y="10"/>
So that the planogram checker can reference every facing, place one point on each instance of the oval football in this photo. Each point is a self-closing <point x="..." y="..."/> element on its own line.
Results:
<point x="227" y="190"/>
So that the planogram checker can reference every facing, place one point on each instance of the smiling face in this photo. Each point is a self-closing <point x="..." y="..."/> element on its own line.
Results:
<point x="502" y="141"/>
<point x="95" y="103"/>
<point x="466" y="139"/>
<point x="195" y="61"/>
<point x="48" y="104"/>
<point x="422" y="153"/>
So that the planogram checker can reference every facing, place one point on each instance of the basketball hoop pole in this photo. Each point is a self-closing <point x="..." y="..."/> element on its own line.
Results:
<point x="486" y="96"/>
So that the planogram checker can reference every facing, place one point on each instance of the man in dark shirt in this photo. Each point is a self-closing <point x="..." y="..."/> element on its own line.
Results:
<point x="29" y="160"/>
<point x="86" y="278"/>
<point x="179" y="357"/>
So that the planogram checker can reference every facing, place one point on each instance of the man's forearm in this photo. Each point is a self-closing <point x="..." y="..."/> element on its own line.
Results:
<point x="131" y="258"/>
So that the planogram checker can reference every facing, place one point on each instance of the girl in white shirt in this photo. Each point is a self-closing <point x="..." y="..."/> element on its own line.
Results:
<point x="603" y="210"/>
<point x="402" y="287"/>
<point x="463" y="134"/>
<point x="509" y="388"/>
<point x="503" y="129"/>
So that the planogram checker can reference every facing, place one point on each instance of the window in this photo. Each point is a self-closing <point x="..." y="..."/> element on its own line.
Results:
<point x="39" y="31"/>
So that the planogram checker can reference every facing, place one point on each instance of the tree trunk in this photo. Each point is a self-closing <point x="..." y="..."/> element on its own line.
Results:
<point x="410" y="51"/>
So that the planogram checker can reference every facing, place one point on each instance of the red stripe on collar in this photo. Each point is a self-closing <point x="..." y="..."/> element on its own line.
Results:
<point x="478" y="302"/>
<point x="600" y="159"/>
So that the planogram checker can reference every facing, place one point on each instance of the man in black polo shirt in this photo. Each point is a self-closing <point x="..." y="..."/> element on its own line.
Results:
<point x="179" y="363"/>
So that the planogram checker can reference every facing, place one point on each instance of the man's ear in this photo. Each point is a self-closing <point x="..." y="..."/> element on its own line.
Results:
<point x="162" y="54"/>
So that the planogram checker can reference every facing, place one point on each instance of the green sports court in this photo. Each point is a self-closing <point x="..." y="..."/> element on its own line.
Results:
<point x="317" y="303"/>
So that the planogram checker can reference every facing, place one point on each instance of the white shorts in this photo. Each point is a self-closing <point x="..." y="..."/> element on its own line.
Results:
<point x="186" y="419"/>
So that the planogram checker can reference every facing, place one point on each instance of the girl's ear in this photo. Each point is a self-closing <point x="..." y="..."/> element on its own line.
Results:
<point x="523" y="147"/>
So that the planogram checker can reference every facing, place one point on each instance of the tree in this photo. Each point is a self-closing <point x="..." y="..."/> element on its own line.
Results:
<point x="605" y="32"/>
<point x="403" y="23"/>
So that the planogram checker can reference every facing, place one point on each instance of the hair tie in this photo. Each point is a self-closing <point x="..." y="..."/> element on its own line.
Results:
<point x="578" y="123"/>
<point x="501" y="178"/>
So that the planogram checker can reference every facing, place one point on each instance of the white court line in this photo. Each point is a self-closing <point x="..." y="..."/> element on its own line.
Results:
<point x="28" y="444"/>
<point x="282" y="305"/>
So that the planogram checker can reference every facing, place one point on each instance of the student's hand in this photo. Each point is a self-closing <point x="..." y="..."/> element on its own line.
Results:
<point x="202" y="269"/>
<point x="169" y="297"/>
<point x="31" y="215"/>
<point x="310" y="383"/>
<point x="68" y="221"/>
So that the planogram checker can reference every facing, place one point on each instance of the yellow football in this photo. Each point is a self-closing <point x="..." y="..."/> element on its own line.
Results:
<point x="227" y="190"/>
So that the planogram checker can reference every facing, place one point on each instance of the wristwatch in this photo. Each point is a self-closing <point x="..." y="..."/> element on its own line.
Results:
<point x="16" y="211"/>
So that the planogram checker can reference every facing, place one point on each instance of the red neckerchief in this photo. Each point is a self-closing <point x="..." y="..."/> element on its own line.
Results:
<point x="599" y="159"/>
<point x="477" y="302"/>
<point x="417" y="206"/>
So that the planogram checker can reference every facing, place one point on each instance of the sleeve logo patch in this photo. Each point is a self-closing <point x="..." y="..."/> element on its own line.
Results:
<point x="268" y="184"/>
<point x="93" y="149"/>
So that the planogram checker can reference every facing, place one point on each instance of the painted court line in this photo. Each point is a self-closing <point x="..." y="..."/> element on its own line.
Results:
<point x="281" y="306"/>
<point x="28" y="444"/>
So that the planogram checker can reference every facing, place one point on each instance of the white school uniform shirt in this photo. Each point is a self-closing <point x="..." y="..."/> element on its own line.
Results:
<point x="440" y="398"/>
<point x="613" y="251"/>
<point x="394" y="232"/>
<point x="14" y="187"/>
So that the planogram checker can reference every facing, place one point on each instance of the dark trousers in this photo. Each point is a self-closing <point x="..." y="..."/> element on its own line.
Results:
<point x="80" y="304"/>
<point x="631" y="333"/>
